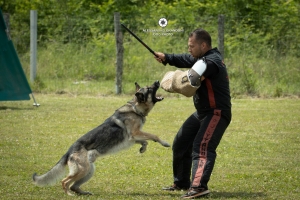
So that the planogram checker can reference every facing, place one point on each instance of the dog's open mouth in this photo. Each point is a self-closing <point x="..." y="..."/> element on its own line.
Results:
<point x="156" y="85"/>
<point x="159" y="98"/>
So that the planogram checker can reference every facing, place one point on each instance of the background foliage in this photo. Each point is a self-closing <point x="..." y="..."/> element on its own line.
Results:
<point x="76" y="40"/>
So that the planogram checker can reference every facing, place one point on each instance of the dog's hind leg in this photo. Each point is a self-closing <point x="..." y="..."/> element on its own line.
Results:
<point x="66" y="184"/>
<point x="92" y="156"/>
<point x="79" y="167"/>
<point x="75" y="187"/>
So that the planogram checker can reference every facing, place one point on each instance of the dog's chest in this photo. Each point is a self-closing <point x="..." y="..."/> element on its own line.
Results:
<point x="126" y="144"/>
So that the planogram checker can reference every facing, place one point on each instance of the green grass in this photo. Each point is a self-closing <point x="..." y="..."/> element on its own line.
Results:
<point x="257" y="158"/>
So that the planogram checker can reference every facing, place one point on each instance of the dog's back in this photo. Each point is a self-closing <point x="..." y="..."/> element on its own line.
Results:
<point x="107" y="138"/>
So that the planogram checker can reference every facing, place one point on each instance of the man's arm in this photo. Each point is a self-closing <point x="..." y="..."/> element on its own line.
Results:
<point x="210" y="71"/>
<point x="177" y="60"/>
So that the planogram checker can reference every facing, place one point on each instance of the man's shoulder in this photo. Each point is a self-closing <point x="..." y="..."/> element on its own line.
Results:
<point x="213" y="51"/>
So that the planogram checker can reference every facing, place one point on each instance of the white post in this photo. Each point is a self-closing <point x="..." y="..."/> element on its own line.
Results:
<point x="33" y="44"/>
<point x="120" y="50"/>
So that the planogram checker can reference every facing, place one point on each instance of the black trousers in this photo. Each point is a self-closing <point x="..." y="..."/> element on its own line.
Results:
<point x="194" y="148"/>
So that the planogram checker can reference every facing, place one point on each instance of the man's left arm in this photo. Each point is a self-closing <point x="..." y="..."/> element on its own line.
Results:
<point x="211" y="70"/>
<point x="180" y="60"/>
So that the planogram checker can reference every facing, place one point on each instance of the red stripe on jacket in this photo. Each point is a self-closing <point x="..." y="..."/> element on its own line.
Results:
<point x="211" y="96"/>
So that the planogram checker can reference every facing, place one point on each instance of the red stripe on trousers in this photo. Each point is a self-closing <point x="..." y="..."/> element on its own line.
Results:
<point x="204" y="145"/>
<point x="211" y="96"/>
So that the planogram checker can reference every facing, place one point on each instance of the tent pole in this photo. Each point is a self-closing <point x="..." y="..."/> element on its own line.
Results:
<point x="35" y="104"/>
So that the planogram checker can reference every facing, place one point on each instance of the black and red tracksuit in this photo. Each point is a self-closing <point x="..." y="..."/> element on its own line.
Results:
<point x="195" y="144"/>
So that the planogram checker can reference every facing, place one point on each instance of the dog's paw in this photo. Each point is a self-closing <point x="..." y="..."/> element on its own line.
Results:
<point x="144" y="146"/>
<point x="78" y="191"/>
<point x="70" y="193"/>
<point x="143" y="149"/>
<point x="85" y="193"/>
<point x="165" y="144"/>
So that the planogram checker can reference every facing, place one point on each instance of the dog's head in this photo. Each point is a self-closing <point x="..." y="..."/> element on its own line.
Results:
<point x="145" y="97"/>
<point x="147" y="94"/>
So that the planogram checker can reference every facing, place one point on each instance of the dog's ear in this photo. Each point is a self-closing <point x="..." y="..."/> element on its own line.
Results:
<point x="137" y="86"/>
<point x="140" y="96"/>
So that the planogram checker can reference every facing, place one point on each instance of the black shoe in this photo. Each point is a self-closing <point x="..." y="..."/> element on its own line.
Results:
<point x="175" y="187"/>
<point x="195" y="192"/>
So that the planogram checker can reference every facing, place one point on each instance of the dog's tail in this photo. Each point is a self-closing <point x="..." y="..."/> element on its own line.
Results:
<point x="56" y="173"/>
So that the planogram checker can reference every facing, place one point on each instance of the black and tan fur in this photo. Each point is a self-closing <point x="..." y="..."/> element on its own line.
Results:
<point x="118" y="132"/>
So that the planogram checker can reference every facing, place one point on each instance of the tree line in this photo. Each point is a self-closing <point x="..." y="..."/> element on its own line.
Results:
<point x="269" y="22"/>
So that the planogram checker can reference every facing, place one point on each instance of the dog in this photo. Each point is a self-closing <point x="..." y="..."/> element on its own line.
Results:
<point x="118" y="132"/>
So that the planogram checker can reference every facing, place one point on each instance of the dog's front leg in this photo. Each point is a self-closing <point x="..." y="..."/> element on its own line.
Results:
<point x="140" y="135"/>
<point x="144" y="144"/>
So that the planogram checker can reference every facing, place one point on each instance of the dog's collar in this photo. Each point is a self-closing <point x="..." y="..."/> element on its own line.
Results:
<point x="138" y="113"/>
<point x="135" y="110"/>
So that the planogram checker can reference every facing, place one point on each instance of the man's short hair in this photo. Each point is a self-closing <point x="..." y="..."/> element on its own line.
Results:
<point x="201" y="35"/>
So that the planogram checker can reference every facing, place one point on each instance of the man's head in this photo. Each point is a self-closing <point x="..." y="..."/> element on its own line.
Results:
<point x="199" y="43"/>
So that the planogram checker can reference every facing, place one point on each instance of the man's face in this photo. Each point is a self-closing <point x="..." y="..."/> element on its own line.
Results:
<point x="195" y="48"/>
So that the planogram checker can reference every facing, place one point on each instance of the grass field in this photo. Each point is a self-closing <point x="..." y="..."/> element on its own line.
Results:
<point x="257" y="158"/>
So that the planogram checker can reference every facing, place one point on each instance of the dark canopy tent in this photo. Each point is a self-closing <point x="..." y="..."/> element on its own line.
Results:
<point x="13" y="83"/>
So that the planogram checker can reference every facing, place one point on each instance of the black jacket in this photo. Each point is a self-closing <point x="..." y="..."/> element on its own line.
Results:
<point x="214" y="92"/>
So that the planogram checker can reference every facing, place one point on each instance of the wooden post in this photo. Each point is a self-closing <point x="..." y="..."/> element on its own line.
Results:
<point x="120" y="50"/>
<point x="33" y="44"/>
<point x="221" y="25"/>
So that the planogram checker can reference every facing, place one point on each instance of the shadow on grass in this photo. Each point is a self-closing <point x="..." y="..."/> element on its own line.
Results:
<point x="212" y="195"/>
<point x="15" y="108"/>
<point x="238" y="195"/>
<point x="144" y="195"/>
<point x="153" y="195"/>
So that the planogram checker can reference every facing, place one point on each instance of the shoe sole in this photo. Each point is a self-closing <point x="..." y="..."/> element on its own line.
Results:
<point x="182" y="189"/>
<point x="206" y="192"/>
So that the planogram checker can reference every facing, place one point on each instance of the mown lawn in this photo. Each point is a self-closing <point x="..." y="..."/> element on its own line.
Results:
<point x="258" y="157"/>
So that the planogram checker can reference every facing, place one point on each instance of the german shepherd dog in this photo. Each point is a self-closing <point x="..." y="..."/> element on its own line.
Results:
<point x="118" y="132"/>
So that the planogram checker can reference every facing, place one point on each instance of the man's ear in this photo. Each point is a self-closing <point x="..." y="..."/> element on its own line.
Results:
<point x="140" y="96"/>
<point x="137" y="86"/>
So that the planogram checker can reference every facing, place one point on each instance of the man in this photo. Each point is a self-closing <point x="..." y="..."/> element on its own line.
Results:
<point x="196" y="142"/>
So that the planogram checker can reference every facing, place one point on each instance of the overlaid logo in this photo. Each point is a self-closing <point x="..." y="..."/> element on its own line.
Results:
<point x="163" y="22"/>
